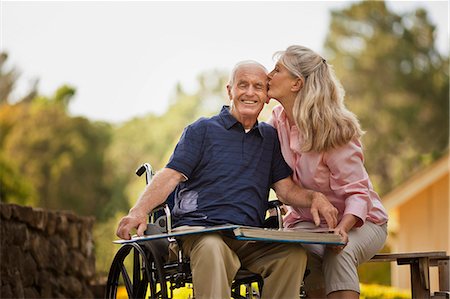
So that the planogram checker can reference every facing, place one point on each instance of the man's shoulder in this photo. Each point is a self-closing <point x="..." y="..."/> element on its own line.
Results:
<point x="204" y="122"/>
<point x="267" y="129"/>
<point x="203" y="125"/>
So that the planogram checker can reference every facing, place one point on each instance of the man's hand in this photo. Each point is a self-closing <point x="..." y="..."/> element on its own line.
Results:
<point x="321" y="206"/>
<point x="127" y="223"/>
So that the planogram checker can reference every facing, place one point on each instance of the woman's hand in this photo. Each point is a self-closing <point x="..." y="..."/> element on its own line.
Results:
<point x="342" y="229"/>
<point x="343" y="233"/>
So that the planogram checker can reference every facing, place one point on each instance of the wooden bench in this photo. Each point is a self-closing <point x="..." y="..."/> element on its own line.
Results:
<point x="420" y="263"/>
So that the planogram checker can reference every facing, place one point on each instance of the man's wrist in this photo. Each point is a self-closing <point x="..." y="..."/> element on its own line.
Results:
<point x="137" y="213"/>
<point x="313" y="195"/>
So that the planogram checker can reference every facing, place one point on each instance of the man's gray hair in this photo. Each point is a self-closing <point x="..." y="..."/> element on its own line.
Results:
<point x="241" y="64"/>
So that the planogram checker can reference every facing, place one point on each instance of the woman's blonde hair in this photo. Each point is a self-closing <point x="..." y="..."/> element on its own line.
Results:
<point x="319" y="111"/>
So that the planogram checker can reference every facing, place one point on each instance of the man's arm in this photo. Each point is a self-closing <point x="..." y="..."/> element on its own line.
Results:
<point x="294" y="195"/>
<point x="163" y="183"/>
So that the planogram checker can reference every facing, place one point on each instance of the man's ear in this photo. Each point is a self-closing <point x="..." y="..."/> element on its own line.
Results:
<point x="229" y="91"/>
<point x="298" y="84"/>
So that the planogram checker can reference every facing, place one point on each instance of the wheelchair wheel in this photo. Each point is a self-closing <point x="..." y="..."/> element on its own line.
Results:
<point x="139" y="270"/>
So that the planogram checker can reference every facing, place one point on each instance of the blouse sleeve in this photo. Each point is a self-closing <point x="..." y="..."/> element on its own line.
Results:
<point x="349" y="179"/>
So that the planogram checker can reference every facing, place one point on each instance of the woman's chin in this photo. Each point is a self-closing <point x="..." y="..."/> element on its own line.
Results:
<point x="271" y="95"/>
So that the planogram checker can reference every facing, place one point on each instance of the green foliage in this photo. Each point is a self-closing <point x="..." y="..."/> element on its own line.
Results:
<point x="379" y="273"/>
<point x="104" y="234"/>
<point x="50" y="159"/>
<point x="396" y="82"/>
<point x="14" y="188"/>
<point x="61" y="98"/>
<point x="9" y="77"/>
<point x="62" y="157"/>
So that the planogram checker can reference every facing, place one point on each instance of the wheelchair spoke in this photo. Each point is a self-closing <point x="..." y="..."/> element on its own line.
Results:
<point x="126" y="280"/>
<point x="136" y="271"/>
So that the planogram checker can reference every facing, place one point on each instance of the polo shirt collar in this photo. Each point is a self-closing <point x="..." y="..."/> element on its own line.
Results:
<point x="229" y="120"/>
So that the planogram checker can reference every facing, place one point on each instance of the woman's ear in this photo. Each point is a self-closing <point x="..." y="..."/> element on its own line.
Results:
<point x="298" y="84"/>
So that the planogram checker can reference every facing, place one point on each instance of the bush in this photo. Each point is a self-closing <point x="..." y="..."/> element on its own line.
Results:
<point x="376" y="291"/>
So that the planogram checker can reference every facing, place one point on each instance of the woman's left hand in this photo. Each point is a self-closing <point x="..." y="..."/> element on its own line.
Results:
<point x="342" y="229"/>
<point x="343" y="233"/>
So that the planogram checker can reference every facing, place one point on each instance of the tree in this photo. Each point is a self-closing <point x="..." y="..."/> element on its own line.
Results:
<point x="396" y="82"/>
<point x="13" y="186"/>
<point x="62" y="157"/>
<point x="8" y="78"/>
<point x="50" y="159"/>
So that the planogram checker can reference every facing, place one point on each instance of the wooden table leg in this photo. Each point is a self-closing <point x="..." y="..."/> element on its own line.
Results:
<point x="444" y="276"/>
<point x="420" y="279"/>
<point x="420" y="276"/>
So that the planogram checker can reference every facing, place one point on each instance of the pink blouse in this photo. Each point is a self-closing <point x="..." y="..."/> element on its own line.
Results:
<point x="339" y="174"/>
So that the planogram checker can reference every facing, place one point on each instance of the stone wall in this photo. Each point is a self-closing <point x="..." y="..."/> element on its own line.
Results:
<point x="45" y="254"/>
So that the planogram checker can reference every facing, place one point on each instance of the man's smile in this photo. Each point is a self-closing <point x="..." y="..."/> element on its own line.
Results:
<point x="249" y="102"/>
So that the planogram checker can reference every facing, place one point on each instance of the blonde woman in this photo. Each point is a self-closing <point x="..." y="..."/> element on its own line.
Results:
<point x="320" y="140"/>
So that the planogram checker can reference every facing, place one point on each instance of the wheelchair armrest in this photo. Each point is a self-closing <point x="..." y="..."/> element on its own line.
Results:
<point x="163" y="221"/>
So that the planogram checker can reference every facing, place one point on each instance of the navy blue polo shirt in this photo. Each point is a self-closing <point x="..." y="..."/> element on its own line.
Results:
<point x="229" y="172"/>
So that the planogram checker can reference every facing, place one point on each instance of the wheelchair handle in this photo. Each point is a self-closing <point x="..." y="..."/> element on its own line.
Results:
<point x="149" y="173"/>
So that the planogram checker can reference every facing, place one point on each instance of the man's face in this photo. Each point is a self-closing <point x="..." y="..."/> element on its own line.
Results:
<point x="248" y="93"/>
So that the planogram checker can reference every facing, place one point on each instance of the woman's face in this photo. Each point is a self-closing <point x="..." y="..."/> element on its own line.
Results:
<point x="282" y="83"/>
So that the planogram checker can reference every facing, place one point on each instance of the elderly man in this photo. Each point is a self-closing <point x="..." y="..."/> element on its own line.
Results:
<point x="222" y="169"/>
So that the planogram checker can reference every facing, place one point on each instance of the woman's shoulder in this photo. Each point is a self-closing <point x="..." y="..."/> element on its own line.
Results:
<point x="276" y="116"/>
<point x="278" y="111"/>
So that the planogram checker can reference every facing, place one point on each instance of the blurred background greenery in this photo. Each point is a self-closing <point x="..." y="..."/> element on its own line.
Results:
<point x="395" y="80"/>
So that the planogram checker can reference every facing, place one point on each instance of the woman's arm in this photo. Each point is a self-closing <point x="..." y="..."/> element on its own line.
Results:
<point x="349" y="181"/>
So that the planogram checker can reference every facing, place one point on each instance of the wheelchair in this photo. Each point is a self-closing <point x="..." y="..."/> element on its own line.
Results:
<point x="145" y="269"/>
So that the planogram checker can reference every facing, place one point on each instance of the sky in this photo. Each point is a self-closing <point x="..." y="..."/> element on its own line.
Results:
<point x="125" y="58"/>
